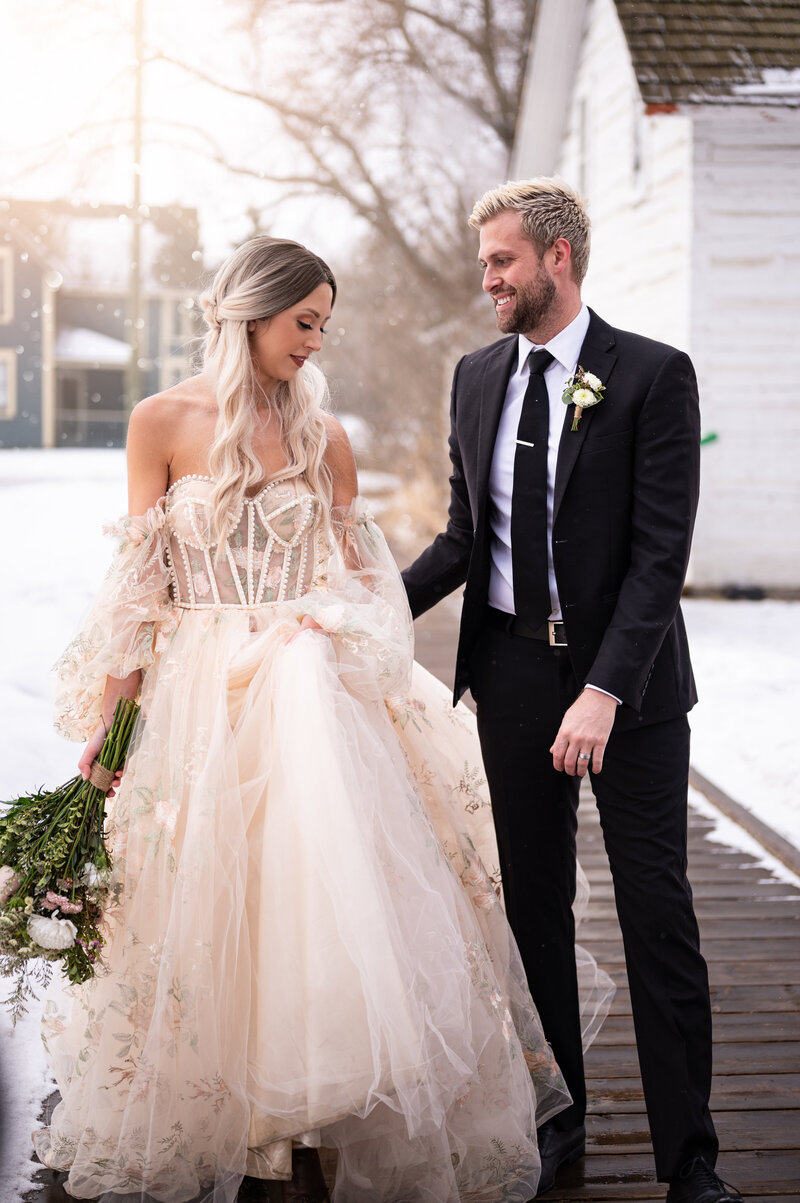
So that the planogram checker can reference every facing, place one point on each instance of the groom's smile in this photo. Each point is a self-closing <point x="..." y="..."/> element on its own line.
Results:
<point x="520" y="282"/>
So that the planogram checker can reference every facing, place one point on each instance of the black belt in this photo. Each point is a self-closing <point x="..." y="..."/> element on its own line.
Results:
<point x="550" y="632"/>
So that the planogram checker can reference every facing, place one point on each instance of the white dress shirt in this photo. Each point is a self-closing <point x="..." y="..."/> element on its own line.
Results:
<point x="565" y="348"/>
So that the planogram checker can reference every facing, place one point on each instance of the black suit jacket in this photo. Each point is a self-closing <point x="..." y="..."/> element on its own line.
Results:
<point x="625" y="500"/>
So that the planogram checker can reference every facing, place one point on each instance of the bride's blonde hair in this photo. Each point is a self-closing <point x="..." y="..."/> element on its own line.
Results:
<point x="262" y="278"/>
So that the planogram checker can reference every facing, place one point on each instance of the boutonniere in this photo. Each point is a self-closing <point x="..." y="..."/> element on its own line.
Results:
<point x="582" y="390"/>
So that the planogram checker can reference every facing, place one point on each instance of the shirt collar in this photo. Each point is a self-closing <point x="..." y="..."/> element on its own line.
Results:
<point x="565" y="346"/>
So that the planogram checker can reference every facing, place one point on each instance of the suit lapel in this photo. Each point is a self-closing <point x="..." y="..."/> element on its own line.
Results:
<point x="596" y="356"/>
<point x="498" y="368"/>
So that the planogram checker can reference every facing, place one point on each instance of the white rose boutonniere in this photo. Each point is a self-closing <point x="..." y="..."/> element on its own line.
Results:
<point x="582" y="391"/>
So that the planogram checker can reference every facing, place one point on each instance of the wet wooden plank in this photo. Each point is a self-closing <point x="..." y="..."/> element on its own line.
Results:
<point x="716" y="927"/>
<point x="734" y="890"/>
<point x="769" y="909"/>
<point x="771" y="1057"/>
<point x="630" y="1177"/>
<point x="773" y="1129"/>
<point x="727" y="954"/>
<point x="729" y="1092"/>
<point x="753" y="973"/>
<point x="713" y="857"/>
<point x="753" y="881"/>
<point x="606" y="1176"/>
<point x="752" y="999"/>
<point x="728" y="1028"/>
<point x="744" y="1000"/>
<point x="722" y="975"/>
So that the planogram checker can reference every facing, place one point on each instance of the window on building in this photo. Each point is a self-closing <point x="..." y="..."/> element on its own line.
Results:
<point x="90" y="407"/>
<point x="177" y="328"/>
<point x="8" y="383"/>
<point x="6" y="285"/>
<point x="177" y="331"/>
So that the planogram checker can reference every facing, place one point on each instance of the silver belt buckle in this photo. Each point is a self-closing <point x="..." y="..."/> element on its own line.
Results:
<point x="551" y="634"/>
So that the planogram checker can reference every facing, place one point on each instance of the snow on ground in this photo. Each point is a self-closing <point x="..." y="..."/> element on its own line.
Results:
<point x="53" y="505"/>
<point x="726" y="832"/>
<point x="25" y="1081"/>
<point x="746" y="658"/>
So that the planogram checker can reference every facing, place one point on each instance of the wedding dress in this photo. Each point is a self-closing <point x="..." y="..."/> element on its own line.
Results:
<point x="305" y="940"/>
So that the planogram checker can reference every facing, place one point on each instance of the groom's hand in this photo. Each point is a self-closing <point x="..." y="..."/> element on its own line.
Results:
<point x="584" y="729"/>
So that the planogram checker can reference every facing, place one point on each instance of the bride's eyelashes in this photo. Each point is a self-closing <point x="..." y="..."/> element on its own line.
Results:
<point x="308" y="326"/>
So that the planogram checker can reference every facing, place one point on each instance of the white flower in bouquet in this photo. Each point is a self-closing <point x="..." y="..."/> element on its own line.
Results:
<point x="52" y="933"/>
<point x="92" y="877"/>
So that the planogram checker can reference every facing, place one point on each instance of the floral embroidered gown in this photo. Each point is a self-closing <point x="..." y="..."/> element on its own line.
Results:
<point x="305" y="942"/>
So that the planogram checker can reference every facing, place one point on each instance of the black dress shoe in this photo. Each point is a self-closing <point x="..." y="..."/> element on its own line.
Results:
<point x="556" y="1149"/>
<point x="260" y="1190"/>
<point x="308" y="1182"/>
<point x="697" y="1183"/>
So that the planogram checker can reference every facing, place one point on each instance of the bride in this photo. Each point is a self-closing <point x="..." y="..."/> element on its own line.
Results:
<point x="305" y="946"/>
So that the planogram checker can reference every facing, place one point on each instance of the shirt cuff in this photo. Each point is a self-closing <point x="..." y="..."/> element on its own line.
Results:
<point x="597" y="689"/>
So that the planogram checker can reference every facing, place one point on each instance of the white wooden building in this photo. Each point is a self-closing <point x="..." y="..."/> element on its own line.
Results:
<point x="680" y="124"/>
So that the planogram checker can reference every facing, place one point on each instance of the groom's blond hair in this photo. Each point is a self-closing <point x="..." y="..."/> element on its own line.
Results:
<point x="549" y="209"/>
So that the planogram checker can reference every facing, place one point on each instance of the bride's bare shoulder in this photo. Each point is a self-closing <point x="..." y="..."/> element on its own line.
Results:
<point x="341" y="461"/>
<point x="167" y="411"/>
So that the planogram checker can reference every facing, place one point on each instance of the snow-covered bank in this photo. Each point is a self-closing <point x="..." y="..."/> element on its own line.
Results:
<point x="26" y="1083"/>
<point x="746" y="658"/>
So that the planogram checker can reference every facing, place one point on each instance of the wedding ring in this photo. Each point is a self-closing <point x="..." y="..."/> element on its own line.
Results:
<point x="584" y="756"/>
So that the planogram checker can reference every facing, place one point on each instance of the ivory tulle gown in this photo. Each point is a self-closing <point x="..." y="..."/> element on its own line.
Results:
<point x="306" y="943"/>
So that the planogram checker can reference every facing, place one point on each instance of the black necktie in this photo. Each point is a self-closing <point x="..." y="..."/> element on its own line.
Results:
<point x="529" y="499"/>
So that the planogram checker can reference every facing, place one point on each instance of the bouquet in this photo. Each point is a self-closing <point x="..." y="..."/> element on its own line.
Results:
<point x="56" y="871"/>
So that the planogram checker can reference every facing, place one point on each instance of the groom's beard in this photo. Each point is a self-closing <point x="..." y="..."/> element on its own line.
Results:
<point x="532" y="302"/>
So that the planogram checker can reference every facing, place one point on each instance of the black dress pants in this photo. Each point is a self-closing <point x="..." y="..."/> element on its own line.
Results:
<point x="522" y="688"/>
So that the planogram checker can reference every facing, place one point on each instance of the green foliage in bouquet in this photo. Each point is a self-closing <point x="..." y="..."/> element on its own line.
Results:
<point x="55" y="873"/>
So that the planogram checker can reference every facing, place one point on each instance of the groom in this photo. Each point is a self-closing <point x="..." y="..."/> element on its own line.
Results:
<point x="571" y="526"/>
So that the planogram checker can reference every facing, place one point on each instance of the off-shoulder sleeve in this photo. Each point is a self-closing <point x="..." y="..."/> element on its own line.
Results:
<point x="119" y="632"/>
<point x="364" y="603"/>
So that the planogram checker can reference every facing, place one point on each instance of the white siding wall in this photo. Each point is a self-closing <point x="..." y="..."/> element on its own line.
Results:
<point x="635" y="172"/>
<point x="746" y="341"/>
<point x="696" y="242"/>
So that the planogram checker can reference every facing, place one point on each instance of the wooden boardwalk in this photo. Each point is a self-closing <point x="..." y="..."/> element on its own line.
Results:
<point x="750" y="931"/>
<point x="750" y="927"/>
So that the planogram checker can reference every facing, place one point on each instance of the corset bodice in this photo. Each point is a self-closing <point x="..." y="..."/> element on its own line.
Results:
<point x="276" y="548"/>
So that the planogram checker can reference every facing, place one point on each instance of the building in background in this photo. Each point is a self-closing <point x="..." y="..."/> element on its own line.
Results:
<point x="680" y="123"/>
<point x="64" y="324"/>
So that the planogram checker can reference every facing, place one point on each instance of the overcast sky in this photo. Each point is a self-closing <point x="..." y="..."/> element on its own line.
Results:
<point x="67" y="65"/>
